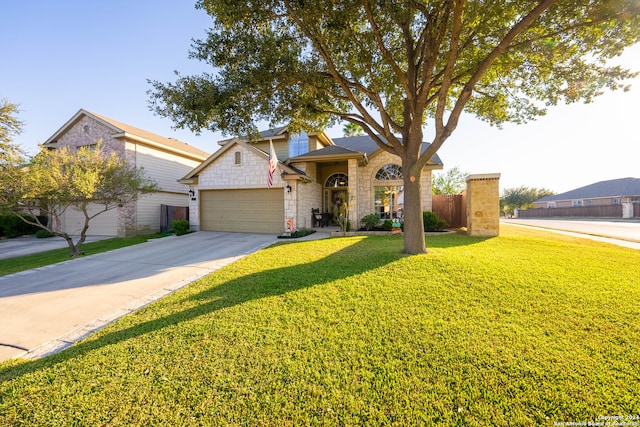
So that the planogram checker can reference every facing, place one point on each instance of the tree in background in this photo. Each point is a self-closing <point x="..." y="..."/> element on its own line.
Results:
<point x="61" y="179"/>
<point x="352" y="129"/>
<point x="10" y="154"/>
<point x="453" y="181"/>
<point x="392" y="66"/>
<point x="521" y="198"/>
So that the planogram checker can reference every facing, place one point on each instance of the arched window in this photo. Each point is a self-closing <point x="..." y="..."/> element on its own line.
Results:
<point x="389" y="173"/>
<point x="337" y="180"/>
<point x="388" y="197"/>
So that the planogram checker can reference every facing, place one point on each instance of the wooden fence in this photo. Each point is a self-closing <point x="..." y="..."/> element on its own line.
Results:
<point x="169" y="213"/>
<point x="451" y="208"/>
<point x="607" y="211"/>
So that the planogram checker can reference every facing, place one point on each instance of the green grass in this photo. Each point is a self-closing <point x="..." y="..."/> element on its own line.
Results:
<point x="529" y="328"/>
<point x="28" y="262"/>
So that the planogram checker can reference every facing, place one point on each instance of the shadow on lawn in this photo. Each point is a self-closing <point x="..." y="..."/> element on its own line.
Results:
<point x="350" y="261"/>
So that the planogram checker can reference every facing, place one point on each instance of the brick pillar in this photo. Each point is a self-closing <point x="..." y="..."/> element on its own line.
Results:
<point x="483" y="205"/>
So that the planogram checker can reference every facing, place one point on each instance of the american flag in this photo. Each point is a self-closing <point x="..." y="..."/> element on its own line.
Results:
<point x="273" y="164"/>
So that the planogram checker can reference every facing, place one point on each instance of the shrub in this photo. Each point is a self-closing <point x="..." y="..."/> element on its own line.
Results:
<point x="180" y="227"/>
<point x="387" y="225"/>
<point x="12" y="226"/>
<point x="432" y="222"/>
<point x="42" y="234"/>
<point x="370" y="221"/>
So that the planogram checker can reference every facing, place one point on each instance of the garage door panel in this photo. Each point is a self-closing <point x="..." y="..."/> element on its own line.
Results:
<point x="253" y="211"/>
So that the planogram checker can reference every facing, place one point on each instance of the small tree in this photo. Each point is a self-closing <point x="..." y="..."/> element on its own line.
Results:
<point x="521" y="197"/>
<point x="453" y="181"/>
<point x="56" y="180"/>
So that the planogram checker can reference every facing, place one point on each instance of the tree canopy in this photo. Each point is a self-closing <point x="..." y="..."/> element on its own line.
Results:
<point x="453" y="181"/>
<point x="398" y="69"/>
<point x="521" y="197"/>
<point x="10" y="126"/>
<point x="58" y="180"/>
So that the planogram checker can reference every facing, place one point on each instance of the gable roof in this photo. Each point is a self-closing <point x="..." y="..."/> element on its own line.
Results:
<point x="188" y="179"/>
<point x="123" y="130"/>
<point x="623" y="187"/>
<point x="331" y="152"/>
<point x="366" y="145"/>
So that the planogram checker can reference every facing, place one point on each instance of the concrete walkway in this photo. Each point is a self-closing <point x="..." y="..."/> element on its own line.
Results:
<point x="47" y="309"/>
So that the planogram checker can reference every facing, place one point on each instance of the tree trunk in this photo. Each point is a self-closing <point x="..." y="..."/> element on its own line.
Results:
<point x="413" y="224"/>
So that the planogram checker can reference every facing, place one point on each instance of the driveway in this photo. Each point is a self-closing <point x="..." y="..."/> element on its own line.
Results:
<point x="47" y="309"/>
<point x="621" y="232"/>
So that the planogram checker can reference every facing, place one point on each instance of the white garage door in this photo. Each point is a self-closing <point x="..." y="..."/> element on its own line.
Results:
<point x="105" y="224"/>
<point x="247" y="211"/>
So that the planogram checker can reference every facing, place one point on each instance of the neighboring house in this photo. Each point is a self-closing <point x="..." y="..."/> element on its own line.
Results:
<point x="164" y="160"/>
<point x="612" y="192"/>
<point x="314" y="172"/>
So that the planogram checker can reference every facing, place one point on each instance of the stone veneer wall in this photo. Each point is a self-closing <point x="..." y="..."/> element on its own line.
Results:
<point x="483" y="205"/>
<point x="304" y="196"/>
<point x="366" y="182"/>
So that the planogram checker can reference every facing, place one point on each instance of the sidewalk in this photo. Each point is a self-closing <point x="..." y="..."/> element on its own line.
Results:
<point x="579" y="229"/>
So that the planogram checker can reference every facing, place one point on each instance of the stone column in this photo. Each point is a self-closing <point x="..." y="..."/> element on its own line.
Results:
<point x="483" y="205"/>
<point x="352" y="173"/>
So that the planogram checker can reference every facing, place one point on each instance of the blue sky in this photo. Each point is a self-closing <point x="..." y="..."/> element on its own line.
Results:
<point x="60" y="56"/>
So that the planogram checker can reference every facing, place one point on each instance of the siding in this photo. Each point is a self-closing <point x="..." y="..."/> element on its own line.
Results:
<point x="148" y="211"/>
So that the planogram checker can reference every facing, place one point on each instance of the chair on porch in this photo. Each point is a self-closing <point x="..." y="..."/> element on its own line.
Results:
<point x="317" y="219"/>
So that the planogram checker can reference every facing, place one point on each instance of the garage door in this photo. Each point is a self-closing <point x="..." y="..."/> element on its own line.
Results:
<point x="105" y="224"/>
<point x="247" y="211"/>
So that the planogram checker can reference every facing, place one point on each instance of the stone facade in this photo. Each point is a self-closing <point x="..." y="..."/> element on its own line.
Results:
<point x="303" y="182"/>
<point x="483" y="205"/>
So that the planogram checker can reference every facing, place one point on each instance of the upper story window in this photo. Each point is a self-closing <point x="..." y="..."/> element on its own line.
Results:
<point x="390" y="173"/>
<point x="298" y="144"/>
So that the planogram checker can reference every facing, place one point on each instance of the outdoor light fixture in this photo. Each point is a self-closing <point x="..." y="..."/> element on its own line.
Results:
<point x="288" y="187"/>
<point x="192" y="194"/>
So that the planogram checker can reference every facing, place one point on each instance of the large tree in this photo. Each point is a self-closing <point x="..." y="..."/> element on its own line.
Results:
<point x="55" y="181"/>
<point x="395" y="67"/>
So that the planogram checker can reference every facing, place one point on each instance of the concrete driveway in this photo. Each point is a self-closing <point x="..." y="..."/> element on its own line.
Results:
<point x="47" y="309"/>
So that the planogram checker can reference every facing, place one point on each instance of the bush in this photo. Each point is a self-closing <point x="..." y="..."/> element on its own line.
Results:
<point x="12" y="226"/>
<point x="387" y="225"/>
<point x="42" y="234"/>
<point x="180" y="227"/>
<point x="370" y="221"/>
<point x="432" y="222"/>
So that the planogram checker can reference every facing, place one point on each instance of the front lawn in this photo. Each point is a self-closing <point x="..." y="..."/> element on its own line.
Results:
<point x="529" y="328"/>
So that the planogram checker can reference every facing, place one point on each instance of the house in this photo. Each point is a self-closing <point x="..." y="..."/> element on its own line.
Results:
<point x="612" y="192"/>
<point x="314" y="172"/>
<point x="613" y="198"/>
<point x="163" y="159"/>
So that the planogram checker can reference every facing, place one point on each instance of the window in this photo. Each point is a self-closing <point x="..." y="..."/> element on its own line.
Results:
<point x="388" y="198"/>
<point x="298" y="144"/>
<point x="551" y="204"/>
<point x="576" y="203"/>
<point x="238" y="158"/>
<point x="337" y="180"/>
<point x="389" y="173"/>
<point x="389" y="201"/>
<point x="616" y="201"/>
